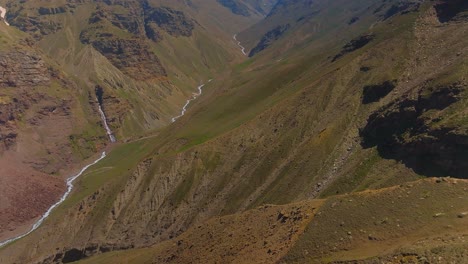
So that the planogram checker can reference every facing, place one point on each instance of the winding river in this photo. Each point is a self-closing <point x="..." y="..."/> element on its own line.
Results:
<point x="194" y="97"/>
<point x="72" y="179"/>
<point x="70" y="186"/>
<point x="239" y="44"/>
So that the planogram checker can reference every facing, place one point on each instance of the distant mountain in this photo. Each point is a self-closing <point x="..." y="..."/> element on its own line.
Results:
<point x="307" y="18"/>
<point x="248" y="7"/>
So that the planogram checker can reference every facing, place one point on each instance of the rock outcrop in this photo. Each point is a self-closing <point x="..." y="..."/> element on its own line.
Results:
<point x="407" y="130"/>
<point x="268" y="39"/>
<point x="354" y="45"/>
<point x="52" y="10"/>
<point x="172" y="21"/>
<point x="132" y="56"/>
<point x="35" y="21"/>
<point x="22" y="68"/>
<point x="18" y="70"/>
<point x="373" y="93"/>
<point x="131" y="53"/>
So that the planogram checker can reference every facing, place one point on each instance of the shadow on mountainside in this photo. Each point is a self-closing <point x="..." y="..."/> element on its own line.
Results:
<point x="405" y="131"/>
<point x="448" y="10"/>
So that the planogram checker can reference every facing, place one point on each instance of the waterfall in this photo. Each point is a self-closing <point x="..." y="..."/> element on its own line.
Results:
<point x="106" y="126"/>
<point x="100" y="100"/>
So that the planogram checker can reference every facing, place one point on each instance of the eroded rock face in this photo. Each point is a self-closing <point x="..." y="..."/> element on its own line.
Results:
<point x="22" y="68"/>
<point x="132" y="53"/>
<point x="131" y="56"/>
<point x="52" y="10"/>
<point x="406" y="130"/>
<point x="142" y="19"/>
<point x="36" y="25"/>
<point x="172" y="21"/>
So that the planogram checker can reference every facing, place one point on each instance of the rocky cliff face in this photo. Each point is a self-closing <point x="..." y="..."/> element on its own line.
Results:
<point x="131" y="53"/>
<point x="131" y="56"/>
<point x="35" y="21"/>
<point x="407" y="130"/>
<point x="174" y="22"/>
<point x="22" y="69"/>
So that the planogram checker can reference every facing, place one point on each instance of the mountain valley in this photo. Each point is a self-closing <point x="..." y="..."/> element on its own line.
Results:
<point x="240" y="131"/>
